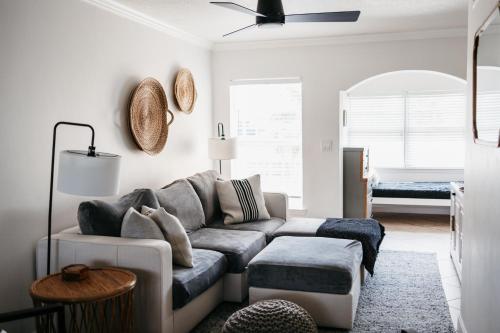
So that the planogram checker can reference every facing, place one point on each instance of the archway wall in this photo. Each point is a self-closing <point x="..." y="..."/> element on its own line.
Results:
<point x="325" y="70"/>
<point x="399" y="82"/>
<point x="407" y="80"/>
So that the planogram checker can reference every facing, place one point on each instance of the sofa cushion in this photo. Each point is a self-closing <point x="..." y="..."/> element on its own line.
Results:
<point x="299" y="226"/>
<point x="188" y="283"/>
<point x="102" y="218"/>
<point x="180" y="200"/>
<point x="311" y="264"/>
<point x="174" y="233"/>
<point x="204" y="185"/>
<point x="238" y="246"/>
<point x="268" y="227"/>
<point x="242" y="200"/>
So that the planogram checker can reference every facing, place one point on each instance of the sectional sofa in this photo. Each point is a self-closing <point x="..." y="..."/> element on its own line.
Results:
<point x="170" y="298"/>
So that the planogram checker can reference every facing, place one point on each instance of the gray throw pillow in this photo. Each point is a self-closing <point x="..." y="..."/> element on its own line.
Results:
<point x="204" y="185"/>
<point x="180" y="200"/>
<point x="174" y="233"/>
<point x="102" y="218"/>
<point x="137" y="225"/>
<point x="242" y="200"/>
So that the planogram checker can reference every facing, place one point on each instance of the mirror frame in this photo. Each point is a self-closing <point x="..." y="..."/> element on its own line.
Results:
<point x="481" y="30"/>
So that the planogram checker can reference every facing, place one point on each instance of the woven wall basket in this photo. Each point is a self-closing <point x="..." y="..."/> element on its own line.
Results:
<point x="148" y="116"/>
<point x="185" y="91"/>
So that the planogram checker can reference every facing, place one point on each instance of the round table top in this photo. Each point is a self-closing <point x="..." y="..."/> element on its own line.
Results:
<point x="101" y="284"/>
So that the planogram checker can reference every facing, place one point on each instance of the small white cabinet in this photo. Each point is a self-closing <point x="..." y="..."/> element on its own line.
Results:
<point x="357" y="183"/>
<point x="456" y="226"/>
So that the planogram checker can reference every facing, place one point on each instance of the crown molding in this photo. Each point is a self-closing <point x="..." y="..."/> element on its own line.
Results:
<point x="339" y="40"/>
<point x="136" y="16"/>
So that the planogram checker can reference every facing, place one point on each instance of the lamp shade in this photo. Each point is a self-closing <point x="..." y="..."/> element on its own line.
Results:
<point x="85" y="175"/>
<point x="222" y="149"/>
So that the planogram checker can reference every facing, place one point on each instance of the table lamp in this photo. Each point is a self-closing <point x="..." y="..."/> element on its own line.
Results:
<point x="222" y="148"/>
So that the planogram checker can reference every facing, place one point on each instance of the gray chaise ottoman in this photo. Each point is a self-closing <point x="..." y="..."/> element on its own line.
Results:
<point x="320" y="274"/>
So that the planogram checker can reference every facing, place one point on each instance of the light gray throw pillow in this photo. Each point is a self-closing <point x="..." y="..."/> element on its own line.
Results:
<point x="242" y="200"/>
<point x="136" y="225"/>
<point x="174" y="233"/>
<point x="180" y="200"/>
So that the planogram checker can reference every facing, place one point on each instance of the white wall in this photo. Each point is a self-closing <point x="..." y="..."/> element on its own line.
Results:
<point x="481" y="265"/>
<point x="69" y="60"/>
<point x="325" y="70"/>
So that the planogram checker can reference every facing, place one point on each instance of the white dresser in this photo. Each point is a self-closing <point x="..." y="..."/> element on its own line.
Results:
<point x="456" y="225"/>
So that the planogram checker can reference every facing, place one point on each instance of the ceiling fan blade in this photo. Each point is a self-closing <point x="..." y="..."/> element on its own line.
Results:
<point x="233" y="32"/>
<point x="350" y="16"/>
<point x="239" y="8"/>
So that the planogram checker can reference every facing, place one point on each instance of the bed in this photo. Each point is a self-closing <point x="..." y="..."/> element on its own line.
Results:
<point x="412" y="193"/>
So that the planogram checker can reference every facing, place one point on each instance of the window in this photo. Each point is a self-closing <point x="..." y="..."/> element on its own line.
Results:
<point x="266" y="116"/>
<point x="411" y="130"/>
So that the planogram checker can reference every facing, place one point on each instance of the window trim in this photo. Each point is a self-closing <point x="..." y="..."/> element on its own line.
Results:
<point x="404" y="94"/>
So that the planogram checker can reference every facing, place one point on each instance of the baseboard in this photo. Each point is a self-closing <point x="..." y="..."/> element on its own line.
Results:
<point x="461" y="325"/>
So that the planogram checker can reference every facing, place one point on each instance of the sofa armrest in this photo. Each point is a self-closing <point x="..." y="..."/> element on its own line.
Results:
<point x="276" y="204"/>
<point x="150" y="260"/>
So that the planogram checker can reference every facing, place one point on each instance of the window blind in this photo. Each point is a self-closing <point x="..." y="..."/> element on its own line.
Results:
<point x="267" y="118"/>
<point x="377" y="122"/>
<point x="412" y="130"/>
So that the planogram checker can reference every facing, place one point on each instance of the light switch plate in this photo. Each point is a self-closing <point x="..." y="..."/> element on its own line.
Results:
<point x="327" y="146"/>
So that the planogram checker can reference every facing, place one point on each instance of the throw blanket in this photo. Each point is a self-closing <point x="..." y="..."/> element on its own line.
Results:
<point x="368" y="231"/>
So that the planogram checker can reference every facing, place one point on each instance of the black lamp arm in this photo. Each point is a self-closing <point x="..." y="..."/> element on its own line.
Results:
<point x="91" y="152"/>
<point x="220" y="131"/>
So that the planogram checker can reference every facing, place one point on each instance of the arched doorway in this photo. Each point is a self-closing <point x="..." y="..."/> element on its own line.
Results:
<point x="413" y="122"/>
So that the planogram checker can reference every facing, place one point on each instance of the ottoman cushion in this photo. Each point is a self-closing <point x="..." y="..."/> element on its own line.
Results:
<point x="238" y="246"/>
<point x="310" y="264"/>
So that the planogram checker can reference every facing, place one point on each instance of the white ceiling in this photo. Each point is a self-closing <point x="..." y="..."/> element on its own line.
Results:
<point x="210" y="22"/>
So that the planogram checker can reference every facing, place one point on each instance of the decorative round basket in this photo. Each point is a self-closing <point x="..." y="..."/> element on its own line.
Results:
<point x="271" y="316"/>
<point x="185" y="91"/>
<point x="148" y="116"/>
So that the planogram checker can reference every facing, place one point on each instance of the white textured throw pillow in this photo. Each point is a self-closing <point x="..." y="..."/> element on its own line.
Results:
<point x="174" y="233"/>
<point x="242" y="200"/>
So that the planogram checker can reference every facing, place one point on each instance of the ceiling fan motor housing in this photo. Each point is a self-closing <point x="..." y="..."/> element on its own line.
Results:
<point x="273" y="9"/>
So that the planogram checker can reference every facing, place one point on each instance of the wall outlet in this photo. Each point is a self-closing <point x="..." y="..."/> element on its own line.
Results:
<point x="327" y="146"/>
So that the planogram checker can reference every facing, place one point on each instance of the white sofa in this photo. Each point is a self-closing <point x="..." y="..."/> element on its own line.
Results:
<point x="151" y="261"/>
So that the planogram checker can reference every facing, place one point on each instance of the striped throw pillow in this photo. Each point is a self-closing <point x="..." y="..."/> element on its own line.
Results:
<point x="242" y="200"/>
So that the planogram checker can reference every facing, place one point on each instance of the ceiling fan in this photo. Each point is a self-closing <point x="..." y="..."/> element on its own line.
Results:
<point x="270" y="14"/>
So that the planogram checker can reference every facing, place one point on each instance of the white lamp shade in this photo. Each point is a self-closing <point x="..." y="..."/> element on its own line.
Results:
<point x="219" y="149"/>
<point x="85" y="175"/>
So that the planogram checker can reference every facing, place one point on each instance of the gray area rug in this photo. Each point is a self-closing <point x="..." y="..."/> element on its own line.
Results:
<point x="405" y="292"/>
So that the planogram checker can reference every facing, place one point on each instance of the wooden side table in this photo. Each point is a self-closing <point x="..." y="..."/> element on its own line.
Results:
<point x="101" y="303"/>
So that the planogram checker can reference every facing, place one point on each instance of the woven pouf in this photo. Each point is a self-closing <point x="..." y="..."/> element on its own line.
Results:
<point x="271" y="316"/>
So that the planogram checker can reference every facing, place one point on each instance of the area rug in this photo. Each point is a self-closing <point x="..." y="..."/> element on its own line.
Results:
<point x="405" y="292"/>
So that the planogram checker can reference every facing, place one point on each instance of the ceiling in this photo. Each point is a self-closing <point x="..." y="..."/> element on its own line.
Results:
<point x="210" y="22"/>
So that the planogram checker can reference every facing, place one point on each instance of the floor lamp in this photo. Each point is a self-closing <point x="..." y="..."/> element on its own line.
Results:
<point x="222" y="148"/>
<point x="86" y="173"/>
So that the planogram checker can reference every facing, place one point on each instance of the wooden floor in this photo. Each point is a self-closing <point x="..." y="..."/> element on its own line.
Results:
<point x="425" y="233"/>
<point x="414" y="222"/>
